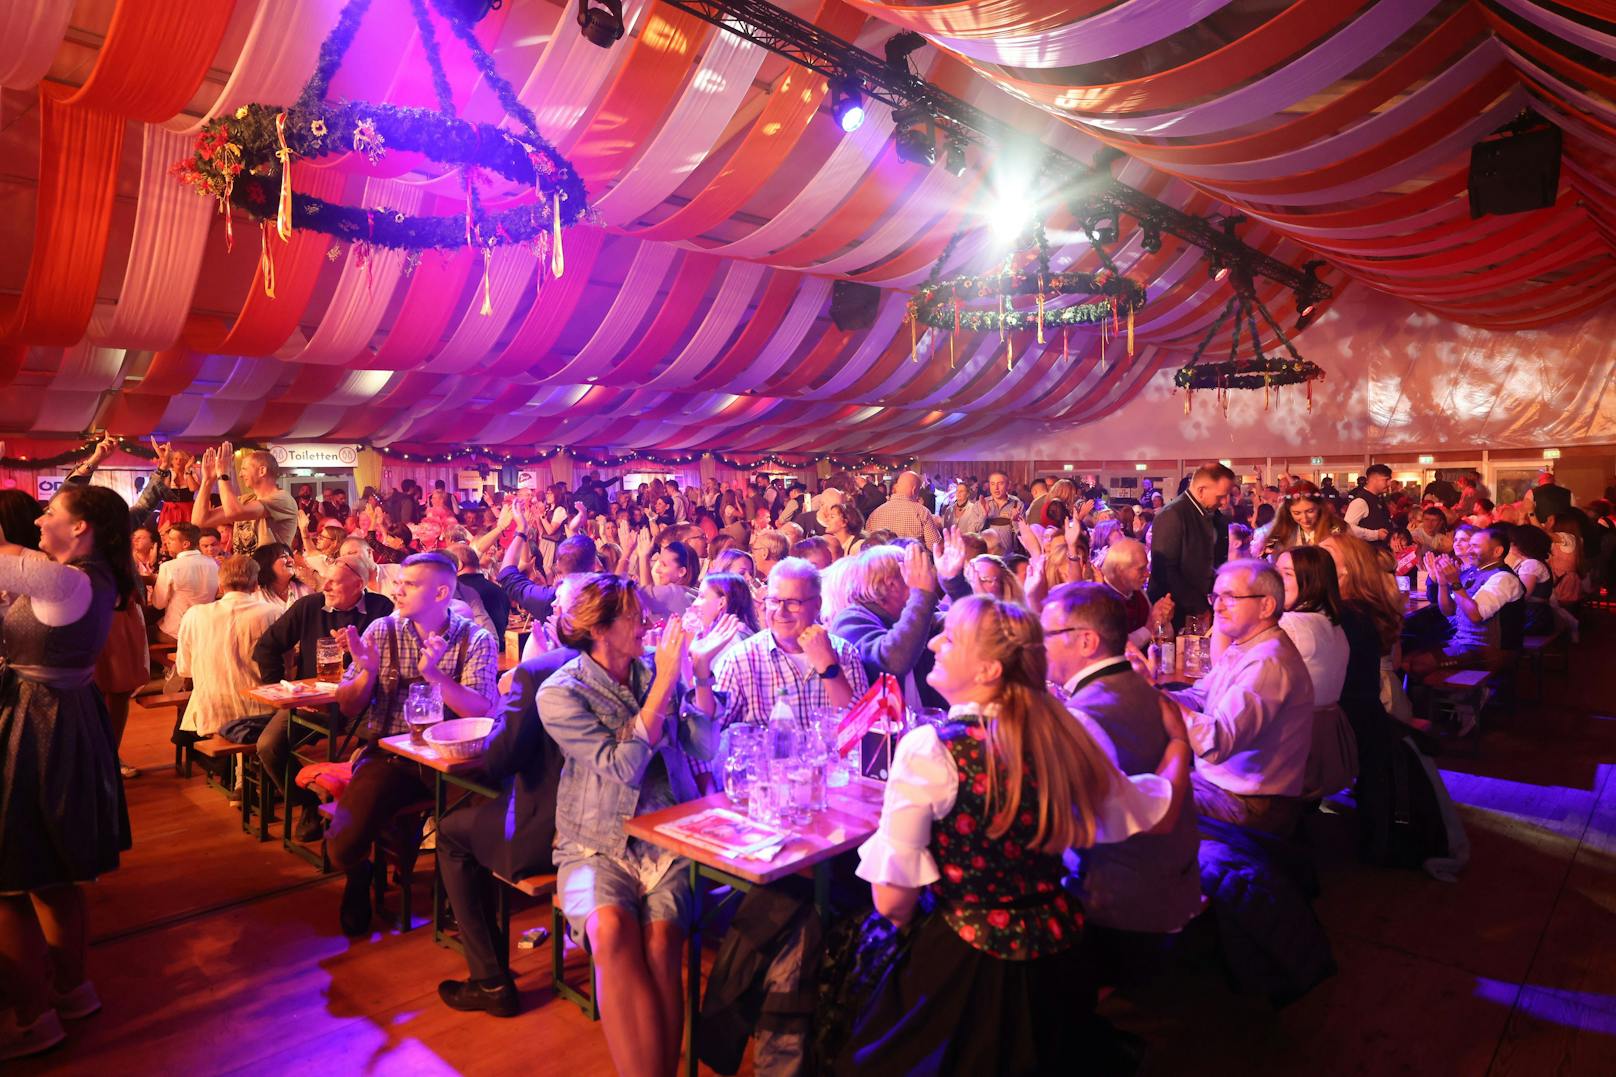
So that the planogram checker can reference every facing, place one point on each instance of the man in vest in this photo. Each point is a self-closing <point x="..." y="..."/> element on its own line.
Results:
<point x="1366" y="514"/>
<point x="1485" y="611"/>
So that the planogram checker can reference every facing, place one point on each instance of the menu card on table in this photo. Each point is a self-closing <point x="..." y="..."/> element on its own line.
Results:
<point x="726" y="832"/>
<point x="293" y="690"/>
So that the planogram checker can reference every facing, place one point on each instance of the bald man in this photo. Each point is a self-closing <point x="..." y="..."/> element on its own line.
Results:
<point x="904" y="515"/>
<point x="1125" y="570"/>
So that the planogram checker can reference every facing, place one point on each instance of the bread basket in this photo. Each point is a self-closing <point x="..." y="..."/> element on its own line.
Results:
<point x="460" y="738"/>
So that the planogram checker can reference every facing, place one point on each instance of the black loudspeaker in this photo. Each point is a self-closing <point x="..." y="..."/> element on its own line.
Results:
<point x="1515" y="172"/>
<point x="853" y="305"/>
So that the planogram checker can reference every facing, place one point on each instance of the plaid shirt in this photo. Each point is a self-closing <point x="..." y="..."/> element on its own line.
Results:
<point x="394" y="634"/>
<point x="752" y="674"/>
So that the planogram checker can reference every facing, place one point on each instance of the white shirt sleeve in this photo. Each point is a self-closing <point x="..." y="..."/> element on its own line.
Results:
<point x="1500" y="589"/>
<point x="1357" y="509"/>
<point x="60" y="594"/>
<point x="920" y="790"/>
<point x="1134" y="805"/>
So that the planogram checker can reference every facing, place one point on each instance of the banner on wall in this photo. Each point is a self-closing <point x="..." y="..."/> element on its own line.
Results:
<point x="48" y="483"/>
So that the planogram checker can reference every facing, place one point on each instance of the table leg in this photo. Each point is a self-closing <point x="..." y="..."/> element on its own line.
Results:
<point x="439" y="793"/>
<point x="693" y="973"/>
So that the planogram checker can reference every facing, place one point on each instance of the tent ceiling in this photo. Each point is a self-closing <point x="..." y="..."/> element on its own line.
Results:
<point x="695" y="313"/>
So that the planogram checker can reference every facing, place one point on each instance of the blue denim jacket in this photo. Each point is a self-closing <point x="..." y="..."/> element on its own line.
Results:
<point x="591" y="717"/>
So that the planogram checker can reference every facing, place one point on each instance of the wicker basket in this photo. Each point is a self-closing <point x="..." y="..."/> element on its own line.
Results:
<point x="460" y="738"/>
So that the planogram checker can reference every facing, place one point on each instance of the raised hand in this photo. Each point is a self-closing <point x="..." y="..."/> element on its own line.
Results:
<point x="816" y="645"/>
<point x="918" y="571"/>
<point x="1035" y="569"/>
<point x="365" y="658"/>
<point x="1030" y="539"/>
<point x="1162" y="611"/>
<point x="726" y="630"/>
<point x="210" y="466"/>
<point x="670" y="650"/>
<point x="950" y="554"/>
<point x="433" y="648"/>
<point x="1073" y="530"/>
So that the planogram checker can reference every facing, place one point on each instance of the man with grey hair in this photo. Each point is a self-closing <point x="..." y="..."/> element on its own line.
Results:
<point x="904" y="515"/>
<point x="1250" y="718"/>
<point x="793" y="657"/>
<point x="1125" y="570"/>
<point x="264" y="514"/>
<point x="892" y="615"/>
<point x="1001" y="509"/>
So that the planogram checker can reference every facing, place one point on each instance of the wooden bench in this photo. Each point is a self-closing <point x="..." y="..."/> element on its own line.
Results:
<point x="1536" y="650"/>
<point x="176" y="700"/>
<point x="255" y="790"/>
<point x="544" y="886"/>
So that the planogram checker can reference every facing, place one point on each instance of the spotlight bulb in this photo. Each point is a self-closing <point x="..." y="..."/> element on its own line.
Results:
<point x="954" y="157"/>
<point x="602" y="25"/>
<point x="847" y="104"/>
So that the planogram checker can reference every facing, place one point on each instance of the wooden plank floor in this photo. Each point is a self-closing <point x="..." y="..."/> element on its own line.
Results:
<point x="216" y="954"/>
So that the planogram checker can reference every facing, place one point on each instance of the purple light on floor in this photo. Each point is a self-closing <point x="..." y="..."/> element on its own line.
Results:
<point x="1585" y="1010"/>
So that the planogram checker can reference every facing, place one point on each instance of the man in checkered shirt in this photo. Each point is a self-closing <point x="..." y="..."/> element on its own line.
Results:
<point x="793" y="655"/>
<point x="422" y="642"/>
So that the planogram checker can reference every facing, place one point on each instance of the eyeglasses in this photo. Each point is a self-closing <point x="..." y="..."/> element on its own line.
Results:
<point x="788" y="605"/>
<point x="1051" y="633"/>
<point x="1214" y="600"/>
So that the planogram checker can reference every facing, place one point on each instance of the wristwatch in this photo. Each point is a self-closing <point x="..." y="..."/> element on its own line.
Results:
<point x="830" y="672"/>
<point x="707" y="681"/>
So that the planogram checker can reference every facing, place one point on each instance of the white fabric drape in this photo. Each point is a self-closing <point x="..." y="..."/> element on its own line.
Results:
<point x="30" y="31"/>
<point x="805" y="310"/>
<point x="510" y="278"/>
<point x="627" y="311"/>
<point x="734" y="296"/>
<point x="711" y="95"/>
<point x="888" y="320"/>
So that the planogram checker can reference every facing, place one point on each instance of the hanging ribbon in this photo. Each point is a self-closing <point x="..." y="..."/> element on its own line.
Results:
<point x="283" y="215"/>
<point x="229" y="227"/>
<point x="488" y="302"/>
<point x="951" y="351"/>
<point x="1065" y="354"/>
<point x="1040" y="317"/>
<point x="1130" y="332"/>
<point x="266" y="261"/>
<point x="557" y="263"/>
<point x="914" y="341"/>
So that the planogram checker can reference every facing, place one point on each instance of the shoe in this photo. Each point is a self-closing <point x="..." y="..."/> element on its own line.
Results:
<point x="18" y="1040"/>
<point x="355" y="913"/>
<point x="128" y="771"/>
<point x="497" y="997"/>
<point x="310" y="827"/>
<point x="78" y="1003"/>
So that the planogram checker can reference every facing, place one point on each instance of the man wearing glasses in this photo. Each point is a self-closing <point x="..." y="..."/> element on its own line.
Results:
<point x="1251" y="717"/>
<point x="794" y="657"/>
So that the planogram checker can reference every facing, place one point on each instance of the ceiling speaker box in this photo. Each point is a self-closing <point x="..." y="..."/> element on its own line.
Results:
<point x="1515" y="172"/>
<point x="853" y="305"/>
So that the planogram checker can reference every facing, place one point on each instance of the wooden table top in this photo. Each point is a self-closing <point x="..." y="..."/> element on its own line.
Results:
<point x="1178" y="676"/>
<point x="428" y="756"/>
<point x="271" y="694"/>
<point x="854" y="811"/>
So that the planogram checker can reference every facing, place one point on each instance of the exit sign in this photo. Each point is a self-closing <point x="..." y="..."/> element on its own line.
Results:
<point x="1315" y="460"/>
<point x="1427" y="458"/>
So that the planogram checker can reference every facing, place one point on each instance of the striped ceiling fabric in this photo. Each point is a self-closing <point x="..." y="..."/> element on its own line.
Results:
<point x="694" y="309"/>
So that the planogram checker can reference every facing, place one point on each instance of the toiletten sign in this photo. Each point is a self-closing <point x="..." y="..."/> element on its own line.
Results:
<point x="311" y="454"/>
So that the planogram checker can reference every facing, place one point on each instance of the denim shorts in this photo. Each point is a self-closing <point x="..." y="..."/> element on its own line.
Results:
<point x="658" y="887"/>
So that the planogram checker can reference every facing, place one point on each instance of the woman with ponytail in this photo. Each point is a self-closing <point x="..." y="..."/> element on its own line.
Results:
<point x="967" y="861"/>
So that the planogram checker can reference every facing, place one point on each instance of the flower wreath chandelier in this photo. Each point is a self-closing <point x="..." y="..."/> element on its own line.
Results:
<point x="943" y="303"/>
<point x="245" y="160"/>
<point x="1260" y="371"/>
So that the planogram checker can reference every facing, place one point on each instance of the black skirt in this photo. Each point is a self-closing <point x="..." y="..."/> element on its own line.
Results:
<point x="945" y="1007"/>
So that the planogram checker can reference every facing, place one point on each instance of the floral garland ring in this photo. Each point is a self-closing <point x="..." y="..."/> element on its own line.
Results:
<point x="1269" y="372"/>
<point x="242" y="160"/>
<point x="940" y="304"/>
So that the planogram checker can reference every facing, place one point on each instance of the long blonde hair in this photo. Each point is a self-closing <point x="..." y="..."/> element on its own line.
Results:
<point x="1367" y="578"/>
<point x="1029" y="727"/>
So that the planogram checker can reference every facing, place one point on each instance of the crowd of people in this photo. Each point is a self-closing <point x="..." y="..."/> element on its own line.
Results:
<point x="1033" y="843"/>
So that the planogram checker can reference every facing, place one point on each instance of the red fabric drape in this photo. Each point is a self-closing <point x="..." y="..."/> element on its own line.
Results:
<point x="155" y="56"/>
<point x="79" y="149"/>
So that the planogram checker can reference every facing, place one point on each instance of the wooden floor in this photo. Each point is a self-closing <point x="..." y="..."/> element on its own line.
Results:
<point x="215" y="954"/>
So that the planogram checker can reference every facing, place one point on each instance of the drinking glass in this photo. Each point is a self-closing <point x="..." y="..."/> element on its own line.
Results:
<point x="799" y="780"/>
<point x="740" y="763"/>
<point x="769" y="794"/>
<point x="422" y="707"/>
<point x="328" y="660"/>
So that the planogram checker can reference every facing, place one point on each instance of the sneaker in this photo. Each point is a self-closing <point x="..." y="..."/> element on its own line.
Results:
<point x="355" y="912"/>
<point x="497" y="996"/>
<point x="78" y="1003"/>
<point x="310" y="827"/>
<point x="18" y="1040"/>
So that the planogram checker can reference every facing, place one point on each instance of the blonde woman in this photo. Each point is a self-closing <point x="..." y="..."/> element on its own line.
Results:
<point x="977" y="814"/>
<point x="1304" y="519"/>
<point x="989" y="575"/>
<point x="1370" y="600"/>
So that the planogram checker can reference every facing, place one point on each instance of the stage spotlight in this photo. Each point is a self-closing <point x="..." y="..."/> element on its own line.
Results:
<point x="954" y="157"/>
<point x="1307" y="302"/>
<point x="1102" y="231"/>
<point x="1305" y="315"/>
<point x="899" y="46"/>
<point x="847" y="103"/>
<point x="916" y="137"/>
<point x="1150" y="238"/>
<point x="603" y="24"/>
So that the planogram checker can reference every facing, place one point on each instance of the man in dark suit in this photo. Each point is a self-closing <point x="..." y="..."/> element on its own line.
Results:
<point x="510" y="836"/>
<point x="1137" y="890"/>
<point x="1189" y="540"/>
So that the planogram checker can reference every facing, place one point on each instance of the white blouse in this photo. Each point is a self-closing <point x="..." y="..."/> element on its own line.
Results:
<point x="921" y="789"/>
<point x="1324" y="650"/>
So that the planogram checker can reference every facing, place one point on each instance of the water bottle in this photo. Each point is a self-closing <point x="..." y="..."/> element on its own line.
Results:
<point x="1166" y="649"/>
<point x="782" y="737"/>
